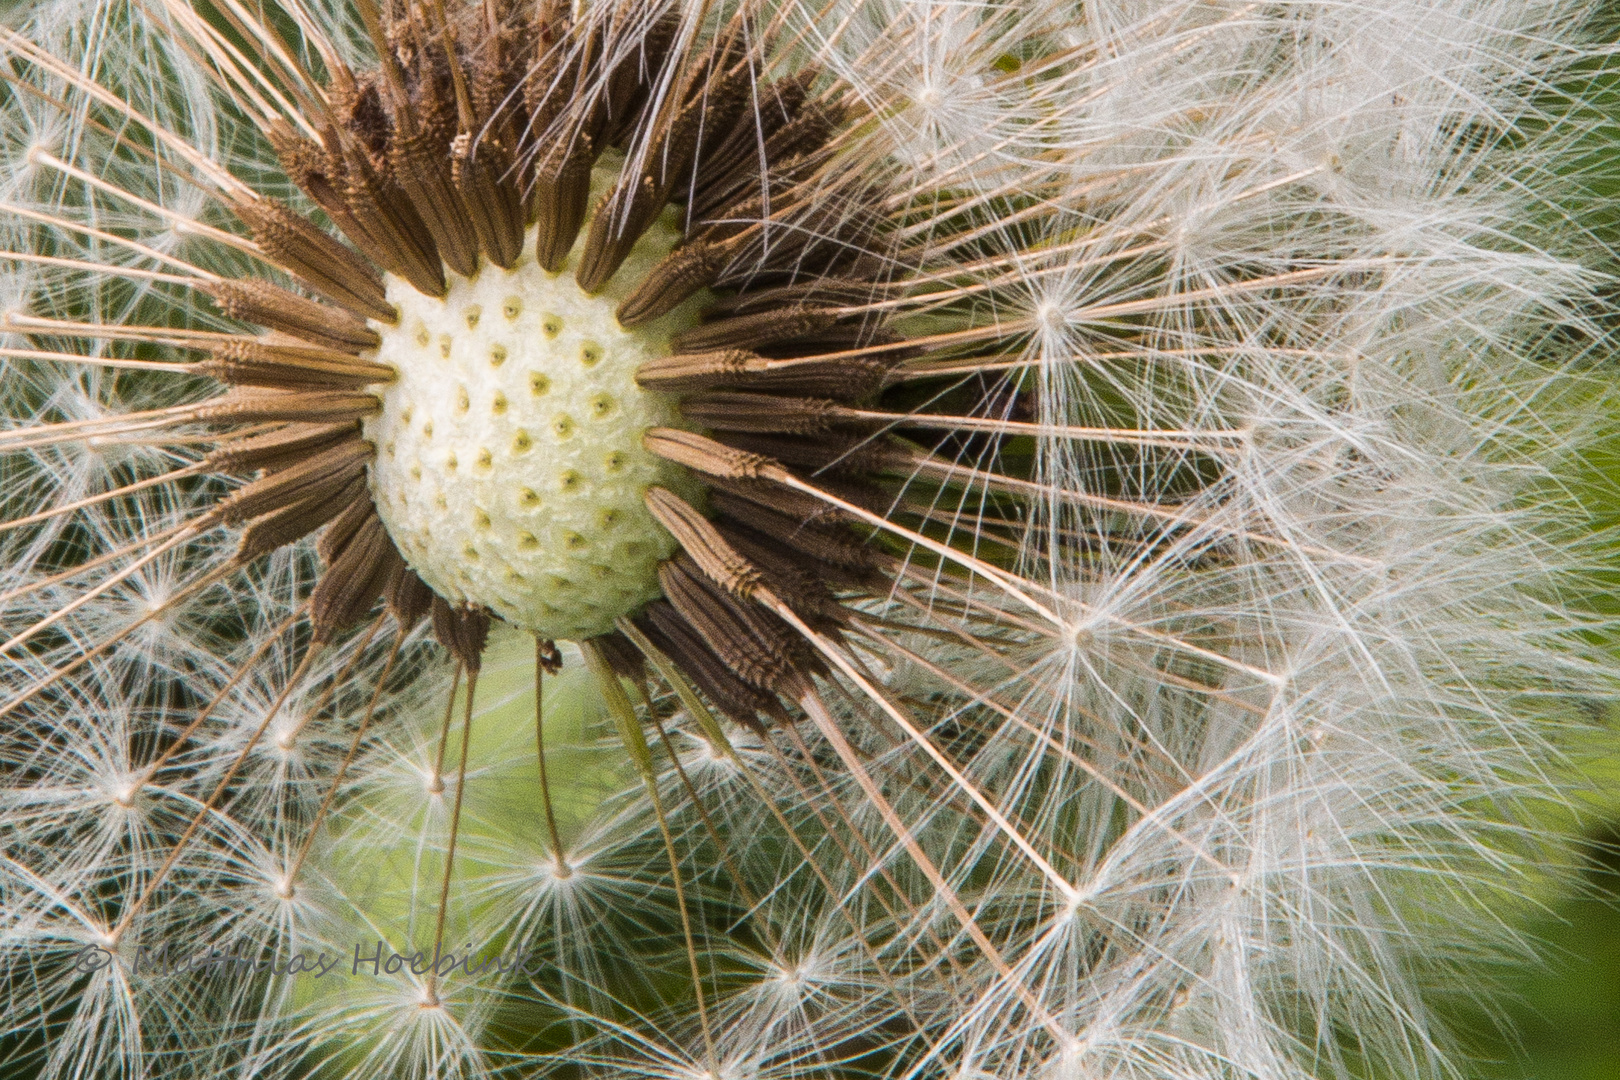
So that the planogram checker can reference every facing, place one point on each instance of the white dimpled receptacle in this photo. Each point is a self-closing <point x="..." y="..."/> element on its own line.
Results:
<point x="509" y="468"/>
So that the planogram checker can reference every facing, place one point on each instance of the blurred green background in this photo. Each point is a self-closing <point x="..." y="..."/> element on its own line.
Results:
<point x="1565" y="1011"/>
<point x="1559" y="1018"/>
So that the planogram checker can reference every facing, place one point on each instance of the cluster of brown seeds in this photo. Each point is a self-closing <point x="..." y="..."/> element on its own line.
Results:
<point x="480" y="124"/>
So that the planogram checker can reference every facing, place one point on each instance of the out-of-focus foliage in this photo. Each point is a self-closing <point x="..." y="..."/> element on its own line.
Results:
<point x="1563" y="1015"/>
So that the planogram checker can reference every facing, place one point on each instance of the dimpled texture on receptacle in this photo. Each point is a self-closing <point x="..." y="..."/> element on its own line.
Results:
<point x="509" y="468"/>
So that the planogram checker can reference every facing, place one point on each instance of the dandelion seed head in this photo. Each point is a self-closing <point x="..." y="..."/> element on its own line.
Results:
<point x="125" y="789"/>
<point x="796" y="982"/>
<point x="284" y="733"/>
<point x="551" y="873"/>
<point x="1130" y="553"/>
